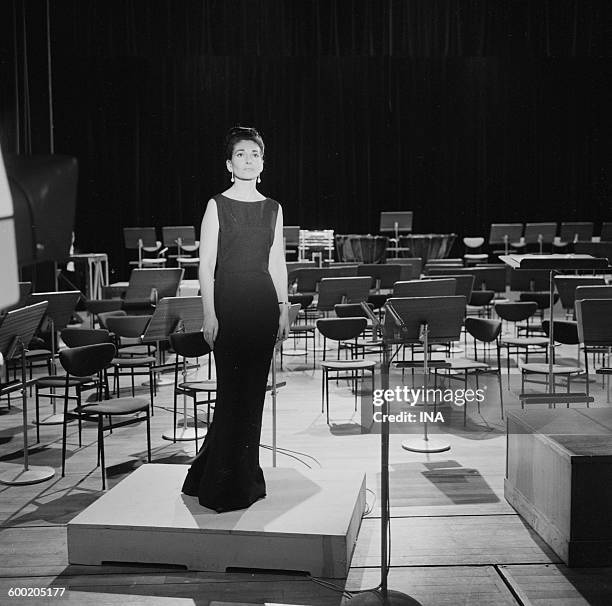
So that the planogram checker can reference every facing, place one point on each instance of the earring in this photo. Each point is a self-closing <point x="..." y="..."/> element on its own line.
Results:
<point x="258" y="178"/>
<point x="232" y="177"/>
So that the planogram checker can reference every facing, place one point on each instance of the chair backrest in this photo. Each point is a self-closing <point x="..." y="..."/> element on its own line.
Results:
<point x="573" y="231"/>
<point x="165" y="281"/>
<point x="80" y="337"/>
<point x="425" y="288"/>
<point x="189" y="344"/>
<point x="387" y="274"/>
<point x="594" y="318"/>
<point x="564" y="331"/>
<point x="302" y="300"/>
<point x="566" y="287"/>
<point x="341" y="329"/>
<point x="130" y="327"/>
<point x="105" y="315"/>
<point x="593" y="292"/>
<point x="483" y="329"/>
<point x="464" y="286"/>
<point x="516" y="311"/>
<point x="342" y="290"/>
<point x="87" y="360"/>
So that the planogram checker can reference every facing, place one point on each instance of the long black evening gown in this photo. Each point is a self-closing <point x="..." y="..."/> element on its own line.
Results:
<point x="225" y="474"/>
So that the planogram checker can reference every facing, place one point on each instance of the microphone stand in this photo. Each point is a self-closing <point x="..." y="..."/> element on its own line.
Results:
<point x="383" y="595"/>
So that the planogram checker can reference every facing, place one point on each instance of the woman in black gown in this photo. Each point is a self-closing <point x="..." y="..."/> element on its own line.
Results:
<point x="243" y="281"/>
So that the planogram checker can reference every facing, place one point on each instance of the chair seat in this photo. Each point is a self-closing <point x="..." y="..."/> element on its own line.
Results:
<point x="348" y="364"/>
<point x="302" y="328"/>
<point x="525" y="341"/>
<point x="188" y="260"/>
<point x="37" y="353"/>
<point x="135" y="350"/>
<point x="476" y="256"/>
<point x="558" y="369"/>
<point x="153" y="261"/>
<point x="61" y="381"/>
<point x="118" y="406"/>
<point x="198" y="386"/>
<point x="465" y="364"/>
<point x="129" y="362"/>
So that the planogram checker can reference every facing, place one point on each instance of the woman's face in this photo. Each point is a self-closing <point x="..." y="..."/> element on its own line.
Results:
<point x="246" y="162"/>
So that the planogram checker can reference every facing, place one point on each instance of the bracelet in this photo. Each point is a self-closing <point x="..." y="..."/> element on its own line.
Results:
<point x="284" y="303"/>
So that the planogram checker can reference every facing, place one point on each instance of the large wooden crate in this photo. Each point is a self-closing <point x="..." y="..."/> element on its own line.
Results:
<point x="559" y="479"/>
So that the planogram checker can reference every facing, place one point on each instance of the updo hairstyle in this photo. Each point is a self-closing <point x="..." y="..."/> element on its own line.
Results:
<point x="241" y="133"/>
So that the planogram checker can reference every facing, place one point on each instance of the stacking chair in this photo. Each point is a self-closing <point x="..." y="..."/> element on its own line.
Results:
<point x="594" y="318"/>
<point x="566" y="333"/>
<point x="192" y="345"/>
<point x="300" y="330"/>
<point x="542" y="300"/>
<point x="474" y="245"/>
<point x="134" y="360"/>
<point x="517" y="312"/>
<point x="480" y="303"/>
<point x="482" y="331"/>
<point x="342" y="330"/>
<point x="93" y="360"/>
<point x="72" y="337"/>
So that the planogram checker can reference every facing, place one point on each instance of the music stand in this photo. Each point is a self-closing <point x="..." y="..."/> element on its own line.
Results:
<point x="60" y="307"/>
<point x="17" y="329"/>
<point x="424" y="320"/>
<point x="383" y="595"/>
<point x="139" y="238"/>
<point x="396" y="222"/>
<point x="575" y="231"/>
<point x="504" y="233"/>
<point x="540" y="233"/>
<point x="553" y="264"/>
<point x="174" y="314"/>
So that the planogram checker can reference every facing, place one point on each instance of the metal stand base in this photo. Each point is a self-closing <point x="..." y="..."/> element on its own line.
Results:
<point x="16" y="475"/>
<point x="423" y="445"/>
<point x="159" y="381"/>
<point x="377" y="598"/>
<point x="54" y="419"/>
<point x="184" y="434"/>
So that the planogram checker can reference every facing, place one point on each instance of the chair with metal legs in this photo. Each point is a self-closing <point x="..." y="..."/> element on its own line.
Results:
<point x="188" y="345"/>
<point x="93" y="360"/>
<point x="342" y="330"/>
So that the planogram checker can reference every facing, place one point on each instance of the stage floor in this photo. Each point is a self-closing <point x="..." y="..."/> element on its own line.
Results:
<point x="454" y="539"/>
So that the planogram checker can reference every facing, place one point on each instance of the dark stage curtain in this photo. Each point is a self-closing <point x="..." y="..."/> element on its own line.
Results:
<point x="466" y="112"/>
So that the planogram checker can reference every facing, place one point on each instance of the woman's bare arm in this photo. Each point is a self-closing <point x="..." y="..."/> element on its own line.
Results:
<point x="278" y="271"/>
<point x="209" y="233"/>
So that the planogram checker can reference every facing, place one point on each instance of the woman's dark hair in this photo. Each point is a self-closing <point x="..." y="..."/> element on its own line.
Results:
<point x="241" y="133"/>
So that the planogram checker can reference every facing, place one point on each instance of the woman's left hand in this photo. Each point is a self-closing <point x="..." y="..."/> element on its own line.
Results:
<point x="283" y="325"/>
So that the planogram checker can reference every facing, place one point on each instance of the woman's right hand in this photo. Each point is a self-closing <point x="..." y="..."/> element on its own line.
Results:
<point x="210" y="330"/>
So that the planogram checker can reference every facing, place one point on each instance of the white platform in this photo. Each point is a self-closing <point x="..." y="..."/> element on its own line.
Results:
<point x="308" y="522"/>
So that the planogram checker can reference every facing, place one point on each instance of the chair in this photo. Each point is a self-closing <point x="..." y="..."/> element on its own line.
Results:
<point x="482" y="331"/>
<point x="72" y="337"/>
<point x="134" y="360"/>
<point x="342" y="329"/>
<point x="542" y="300"/>
<point x="355" y="310"/>
<point x="480" y="303"/>
<point x="594" y="317"/>
<point x="518" y="312"/>
<point x="566" y="333"/>
<point x="299" y="330"/>
<point x="474" y="245"/>
<point x="93" y="360"/>
<point x="191" y="345"/>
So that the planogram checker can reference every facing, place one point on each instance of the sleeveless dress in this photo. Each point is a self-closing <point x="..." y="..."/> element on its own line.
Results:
<point x="225" y="474"/>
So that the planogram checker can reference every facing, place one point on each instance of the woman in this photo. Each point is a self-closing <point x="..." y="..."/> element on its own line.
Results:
<point x="243" y="281"/>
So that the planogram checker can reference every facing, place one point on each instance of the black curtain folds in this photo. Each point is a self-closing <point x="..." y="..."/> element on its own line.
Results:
<point x="466" y="112"/>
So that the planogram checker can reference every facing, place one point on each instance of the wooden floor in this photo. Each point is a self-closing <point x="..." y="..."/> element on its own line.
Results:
<point x="454" y="539"/>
